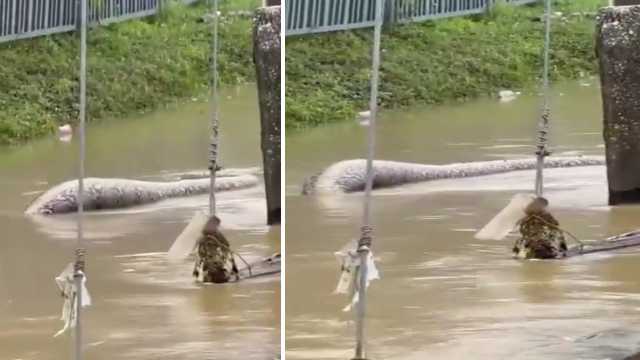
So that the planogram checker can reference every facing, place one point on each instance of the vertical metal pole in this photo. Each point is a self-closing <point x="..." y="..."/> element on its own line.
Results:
<point x="47" y="23"/>
<point x="20" y="17"/>
<point x="373" y="108"/>
<point x="78" y="274"/>
<point x="347" y="12"/>
<point x="34" y="17"/>
<point x="305" y="14"/>
<point x="365" y="239"/>
<point x="335" y="11"/>
<point x="5" y="19"/>
<point x="213" y="150"/>
<point x="367" y="10"/>
<point x="543" y="125"/>
<point x="325" y="19"/>
<point x="30" y="14"/>
<point x="78" y="329"/>
<point x="314" y="14"/>
<point x="60" y="16"/>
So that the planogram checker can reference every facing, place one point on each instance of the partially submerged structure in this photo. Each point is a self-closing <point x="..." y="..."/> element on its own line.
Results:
<point x="266" y="45"/>
<point x="617" y="40"/>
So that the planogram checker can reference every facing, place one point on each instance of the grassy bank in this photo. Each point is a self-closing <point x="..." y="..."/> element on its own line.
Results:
<point x="434" y="62"/>
<point x="133" y="67"/>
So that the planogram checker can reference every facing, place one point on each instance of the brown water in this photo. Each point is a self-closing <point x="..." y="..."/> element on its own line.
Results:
<point x="443" y="294"/>
<point x="144" y="307"/>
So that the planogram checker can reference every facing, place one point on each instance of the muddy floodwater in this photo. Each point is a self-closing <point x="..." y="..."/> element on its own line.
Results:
<point x="443" y="294"/>
<point x="144" y="306"/>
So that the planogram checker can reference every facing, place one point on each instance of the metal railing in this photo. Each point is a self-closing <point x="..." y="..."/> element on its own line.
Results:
<point x="20" y="19"/>
<point x="314" y="16"/>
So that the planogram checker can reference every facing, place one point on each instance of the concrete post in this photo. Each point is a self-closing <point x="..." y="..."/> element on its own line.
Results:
<point x="266" y="45"/>
<point x="618" y="49"/>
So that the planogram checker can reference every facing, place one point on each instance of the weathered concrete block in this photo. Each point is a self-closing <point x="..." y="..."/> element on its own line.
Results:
<point x="618" y="49"/>
<point x="266" y="45"/>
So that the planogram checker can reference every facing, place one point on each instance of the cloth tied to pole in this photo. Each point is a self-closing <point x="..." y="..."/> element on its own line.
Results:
<point x="67" y="285"/>
<point x="349" y="259"/>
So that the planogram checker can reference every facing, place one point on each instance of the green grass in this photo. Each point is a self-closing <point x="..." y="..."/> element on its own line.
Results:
<point x="133" y="67"/>
<point x="433" y="62"/>
<point x="235" y="5"/>
<point x="570" y="6"/>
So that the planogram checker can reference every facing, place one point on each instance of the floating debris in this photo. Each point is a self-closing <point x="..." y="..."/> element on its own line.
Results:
<point x="65" y="133"/>
<point x="465" y="230"/>
<point x="507" y="95"/>
<point x="364" y="118"/>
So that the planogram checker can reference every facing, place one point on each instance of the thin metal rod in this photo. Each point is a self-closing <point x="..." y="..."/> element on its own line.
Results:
<point x="360" y="351"/>
<point x="547" y="44"/>
<point x="364" y="245"/>
<point x="543" y="126"/>
<point x="78" y="277"/>
<point x="373" y="111"/>
<point x="78" y="271"/>
<point x="213" y="150"/>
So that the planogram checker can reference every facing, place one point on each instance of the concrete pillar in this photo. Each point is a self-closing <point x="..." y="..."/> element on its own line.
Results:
<point x="266" y="46"/>
<point x="618" y="49"/>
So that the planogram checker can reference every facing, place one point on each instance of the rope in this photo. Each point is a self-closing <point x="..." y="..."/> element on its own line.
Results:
<point x="365" y="241"/>
<point x="575" y="238"/>
<point x="213" y="148"/>
<point x="366" y="236"/>
<point x="80" y="252"/>
<point x="543" y="125"/>
<point x="243" y="260"/>
<point x="220" y="243"/>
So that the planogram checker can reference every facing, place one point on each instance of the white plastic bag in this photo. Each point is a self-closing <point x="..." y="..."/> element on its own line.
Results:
<point x="349" y="260"/>
<point x="188" y="239"/>
<point x="67" y="286"/>
<point x="507" y="219"/>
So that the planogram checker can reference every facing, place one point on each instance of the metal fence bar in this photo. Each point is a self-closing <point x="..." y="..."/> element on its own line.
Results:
<point x="3" y="16"/>
<point x="312" y="16"/>
<point x="29" y="15"/>
<point x="325" y="17"/>
<point x="316" y="16"/>
<point x="21" y="19"/>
